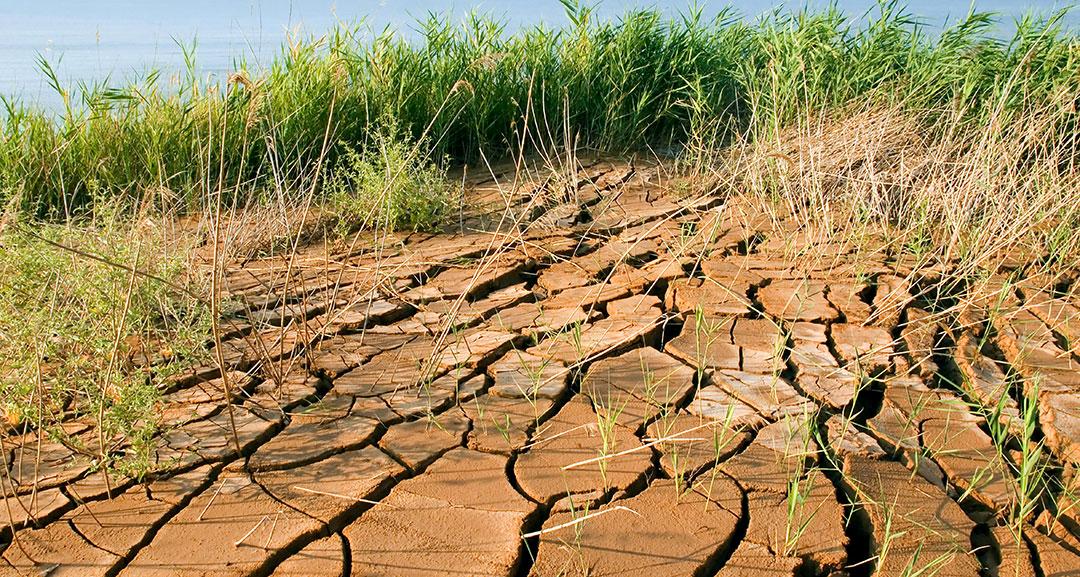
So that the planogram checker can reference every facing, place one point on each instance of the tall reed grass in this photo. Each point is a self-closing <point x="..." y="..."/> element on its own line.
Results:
<point x="642" y="80"/>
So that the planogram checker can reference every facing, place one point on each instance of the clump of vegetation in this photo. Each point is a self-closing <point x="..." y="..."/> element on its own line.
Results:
<point x="95" y="319"/>
<point x="387" y="185"/>
<point x="688" y="83"/>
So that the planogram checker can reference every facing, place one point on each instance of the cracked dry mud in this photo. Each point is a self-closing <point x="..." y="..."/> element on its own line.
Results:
<point x="655" y="386"/>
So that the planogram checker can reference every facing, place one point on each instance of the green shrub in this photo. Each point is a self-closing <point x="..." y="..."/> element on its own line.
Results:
<point x="387" y="186"/>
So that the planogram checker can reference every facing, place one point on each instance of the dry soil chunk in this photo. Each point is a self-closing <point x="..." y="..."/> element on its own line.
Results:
<point x="771" y="395"/>
<point x="797" y="301"/>
<point x="333" y="487"/>
<point x="422" y="400"/>
<point x="662" y="533"/>
<point x="462" y="513"/>
<point x="1059" y="415"/>
<point x="847" y="296"/>
<point x="923" y="526"/>
<point x="1014" y="557"/>
<point x="637" y="305"/>
<point x="418" y="442"/>
<point x="587" y="297"/>
<point x="58" y="551"/>
<point x="602" y="338"/>
<point x="322" y="558"/>
<point x="716" y="404"/>
<point x="645" y="373"/>
<point x="781" y="452"/>
<point x="753" y="560"/>
<point x="867" y="349"/>
<point x="501" y="425"/>
<point x="812" y="526"/>
<point x="384" y="373"/>
<point x="968" y="456"/>
<point x="845" y="439"/>
<point x="985" y="381"/>
<point x="690" y="443"/>
<point x="709" y="297"/>
<point x="1061" y="316"/>
<point x="38" y="507"/>
<point x="475" y="348"/>
<point x="636" y="386"/>
<point x="571" y="437"/>
<point x="1054" y="559"/>
<point x="821" y="377"/>
<point x="520" y="375"/>
<point x="761" y="344"/>
<point x="705" y="343"/>
<point x="232" y="528"/>
<point x="93" y="538"/>
<point x="893" y="294"/>
<point x="919" y="334"/>
<point x="365" y="313"/>
<point x="307" y="442"/>
<point x="45" y="464"/>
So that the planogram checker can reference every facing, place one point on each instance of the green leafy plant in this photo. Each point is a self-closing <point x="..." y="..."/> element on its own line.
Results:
<point x="386" y="185"/>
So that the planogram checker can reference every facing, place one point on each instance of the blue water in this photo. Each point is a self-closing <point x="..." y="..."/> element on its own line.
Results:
<point x="87" y="41"/>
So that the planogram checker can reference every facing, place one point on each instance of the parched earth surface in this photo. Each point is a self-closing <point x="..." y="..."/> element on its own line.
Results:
<point x="638" y="382"/>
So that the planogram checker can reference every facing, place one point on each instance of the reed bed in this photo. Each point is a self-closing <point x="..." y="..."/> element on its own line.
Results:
<point x="473" y="89"/>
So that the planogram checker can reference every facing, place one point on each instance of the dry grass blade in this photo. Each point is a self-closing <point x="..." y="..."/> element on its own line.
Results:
<point x="579" y="520"/>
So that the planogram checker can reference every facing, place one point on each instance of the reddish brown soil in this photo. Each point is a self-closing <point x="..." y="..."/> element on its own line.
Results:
<point x="655" y="386"/>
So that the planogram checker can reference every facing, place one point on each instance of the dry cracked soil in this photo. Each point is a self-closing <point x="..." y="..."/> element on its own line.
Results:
<point x="653" y="385"/>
